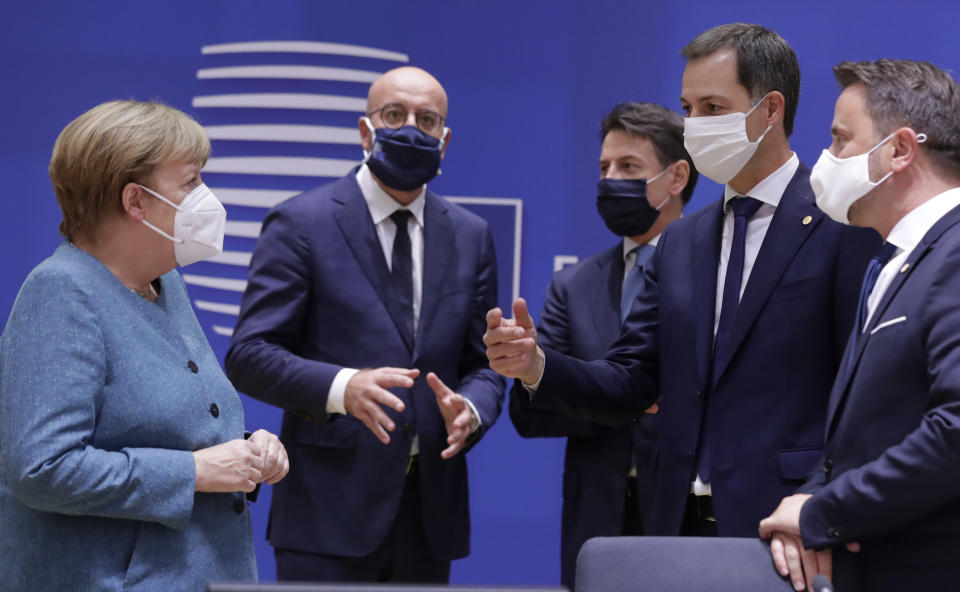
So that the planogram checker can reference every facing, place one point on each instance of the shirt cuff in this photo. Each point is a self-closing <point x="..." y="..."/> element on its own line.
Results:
<point x="337" y="390"/>
<point x="477" y="422"/>
<point x="532" y="388"/>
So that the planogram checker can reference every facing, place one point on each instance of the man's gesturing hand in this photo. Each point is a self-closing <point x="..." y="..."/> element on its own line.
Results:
<point x="512" y="344"/>
<point x="367" y="391"/>
<point x="457" y="415"/>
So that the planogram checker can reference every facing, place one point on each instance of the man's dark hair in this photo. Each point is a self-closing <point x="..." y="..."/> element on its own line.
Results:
<point x="919" y="95"/>
<point x="664" y="129"/>
<point x="765" y="62"/>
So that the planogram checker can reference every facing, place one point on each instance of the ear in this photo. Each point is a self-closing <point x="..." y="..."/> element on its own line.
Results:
<point x="446" y="141"/>
<point x="366" y="138"/>
<point x="132" y="198"/>
<point x="906" y="148"/>
<point x="775" y="108"/>
<point x="679" y="175"/>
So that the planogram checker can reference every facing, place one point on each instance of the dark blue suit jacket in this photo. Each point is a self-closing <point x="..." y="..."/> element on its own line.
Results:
<point x="892" y="460"/>
<point x="581" y="318"/>
<point x="319" y="299"/>
<point x="768" y="402"/>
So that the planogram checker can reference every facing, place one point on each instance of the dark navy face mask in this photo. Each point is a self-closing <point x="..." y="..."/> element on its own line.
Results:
<point x="404" y="158"/>
<point x="623" y="205"/>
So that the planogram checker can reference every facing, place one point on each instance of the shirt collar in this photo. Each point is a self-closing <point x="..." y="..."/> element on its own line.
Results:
<point x="769" y="190"/>
<point x="910" y="230"/>
<point x="629" y="244"/>
<point x="380" y="204"/>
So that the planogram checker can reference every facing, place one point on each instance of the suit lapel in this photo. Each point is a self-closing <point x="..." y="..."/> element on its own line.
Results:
<point x="848" y="366"/>
<point x="923" y="247"/>
<point x="606" y="294"/>
<point x="358" y="230"/>
<point x="439" y="254"/>
<point x="706" y="257"/>
<point x="786" y="233"/>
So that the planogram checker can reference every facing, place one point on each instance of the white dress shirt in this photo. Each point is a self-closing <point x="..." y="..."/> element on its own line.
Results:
<point x="770" y="192"/>
<point x="906" y="235"/>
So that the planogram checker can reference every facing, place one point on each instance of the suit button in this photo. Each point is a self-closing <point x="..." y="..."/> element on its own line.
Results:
<point x="835" y="532"/>
<point x="408" y="428"/>
<point x="214" y="410"/>
<point x="699" y="393"/>
<point x="238" y="506"/>
<point x="192" y="366"/>
<point x="827" y="466"/>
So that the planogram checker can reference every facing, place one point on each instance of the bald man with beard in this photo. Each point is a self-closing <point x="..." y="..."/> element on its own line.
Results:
<point x="362" y="319"/>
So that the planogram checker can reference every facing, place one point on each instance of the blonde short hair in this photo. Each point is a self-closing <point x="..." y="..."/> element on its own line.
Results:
<point x="113" y="144"/>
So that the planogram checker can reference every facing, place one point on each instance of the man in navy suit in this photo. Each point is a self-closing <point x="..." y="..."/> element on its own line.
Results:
<point x="743" y="315"/>
<point x="889" y="488"/>
<point x="646" y="180"/>
<point x="373" y="272"/>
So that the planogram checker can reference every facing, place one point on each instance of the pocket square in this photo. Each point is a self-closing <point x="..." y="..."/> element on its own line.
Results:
<point x="886" y="324"/>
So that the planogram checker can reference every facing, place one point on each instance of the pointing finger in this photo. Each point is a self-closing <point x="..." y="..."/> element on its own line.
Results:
<point x="521" y="314"/>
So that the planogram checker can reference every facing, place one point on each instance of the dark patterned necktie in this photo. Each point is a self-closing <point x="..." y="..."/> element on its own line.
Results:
<point x="401" y="266"/>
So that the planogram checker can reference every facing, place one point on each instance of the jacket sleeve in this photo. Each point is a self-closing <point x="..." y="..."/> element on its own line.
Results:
<point x="617" y="389"/>
<point x="484" y="387"/>
<point x="553" y="332"/>
<point x="263" y="359"/>
<point x="53" y="368"/>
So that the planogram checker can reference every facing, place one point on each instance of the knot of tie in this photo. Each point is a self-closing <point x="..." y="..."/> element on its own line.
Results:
<point x="400" y="218"/>
<point x="745" y="207"/>
<point x="885" y="253"/>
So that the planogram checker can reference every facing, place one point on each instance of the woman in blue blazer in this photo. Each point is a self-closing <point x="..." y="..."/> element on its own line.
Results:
<point x="123" y="462"/>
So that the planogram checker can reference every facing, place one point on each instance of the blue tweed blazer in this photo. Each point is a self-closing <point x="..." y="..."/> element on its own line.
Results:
<point x="103" y="397"/>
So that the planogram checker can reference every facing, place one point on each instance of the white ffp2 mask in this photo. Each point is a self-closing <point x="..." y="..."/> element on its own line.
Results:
<point x="719" y="145"/>
<point x="198" y="225"/>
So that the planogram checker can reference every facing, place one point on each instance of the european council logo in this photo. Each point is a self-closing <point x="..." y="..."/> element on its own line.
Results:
<point x="282" y="118"/>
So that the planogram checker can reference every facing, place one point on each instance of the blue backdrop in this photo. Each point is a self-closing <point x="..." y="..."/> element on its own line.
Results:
<point x="528" y="83"/>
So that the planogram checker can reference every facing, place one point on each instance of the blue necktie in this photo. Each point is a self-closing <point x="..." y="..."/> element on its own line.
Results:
<point x="401" y="266"/>
<point x="743" y="209"/>
<point x="634" y="281"/>
<point x="881" y="258"/>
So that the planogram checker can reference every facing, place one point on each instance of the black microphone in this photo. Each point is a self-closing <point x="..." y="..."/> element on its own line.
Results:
<point x="821" y="583"/>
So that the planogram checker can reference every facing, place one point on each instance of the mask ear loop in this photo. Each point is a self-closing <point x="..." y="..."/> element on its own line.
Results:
<point x="754" y="108"/>
<point x="168" y="202"/>
<point x="654" y="178"/>
<point x="921" y="138"/>
<point x="869" y="152"/>
<point x="373" y="134"/>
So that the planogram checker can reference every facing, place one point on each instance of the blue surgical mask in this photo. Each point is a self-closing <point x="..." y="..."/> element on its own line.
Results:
<point x="404" y="158"/>
<point x="624" y="206"/>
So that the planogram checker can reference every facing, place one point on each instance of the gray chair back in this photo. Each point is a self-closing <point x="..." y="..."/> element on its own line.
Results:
<point x="677" y="564"/>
